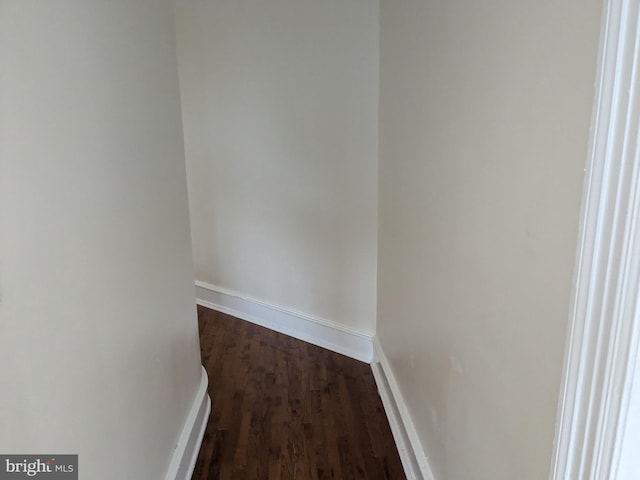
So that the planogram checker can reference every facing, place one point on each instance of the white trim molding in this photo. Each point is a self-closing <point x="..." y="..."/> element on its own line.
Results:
<point x="604" y="325"/>
<point x="186" y="453"/>
<point x="414" y="461"/>
<point x="318" y="331"/>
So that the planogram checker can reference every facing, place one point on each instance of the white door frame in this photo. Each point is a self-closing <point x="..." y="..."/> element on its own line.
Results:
<point x="604" y="330"/>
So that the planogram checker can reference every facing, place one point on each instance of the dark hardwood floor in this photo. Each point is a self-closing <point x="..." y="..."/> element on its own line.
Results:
<point x="285" y="409"/>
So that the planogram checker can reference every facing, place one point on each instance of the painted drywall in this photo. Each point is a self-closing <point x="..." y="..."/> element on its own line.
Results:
<point x="484" y="123"/>
<point x="98" y="337"/>
<point x="280" y="105"/>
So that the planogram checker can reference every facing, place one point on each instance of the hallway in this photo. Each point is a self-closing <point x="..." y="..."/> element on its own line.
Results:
<point x="286" y="409"/>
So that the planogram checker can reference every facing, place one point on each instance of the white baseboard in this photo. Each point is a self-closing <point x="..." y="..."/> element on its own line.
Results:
<point x="186" y="452"/>
<point x="414" y="461"/>
<point x="323" y="333"/>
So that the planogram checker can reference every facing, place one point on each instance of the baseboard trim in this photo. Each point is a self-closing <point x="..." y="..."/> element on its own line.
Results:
<point x="186" y="452"/>
<point x="414" y="461"/>
<point x="323" y="333"/>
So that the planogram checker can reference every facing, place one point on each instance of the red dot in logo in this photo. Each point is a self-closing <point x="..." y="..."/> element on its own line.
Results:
<point x="48" y="462"/>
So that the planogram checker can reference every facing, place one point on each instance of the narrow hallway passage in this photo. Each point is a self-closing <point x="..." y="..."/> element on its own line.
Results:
<point x="286" y="409"/>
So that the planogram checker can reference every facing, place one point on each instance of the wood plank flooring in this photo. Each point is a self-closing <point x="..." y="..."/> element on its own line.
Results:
<point x="285" y="409"/>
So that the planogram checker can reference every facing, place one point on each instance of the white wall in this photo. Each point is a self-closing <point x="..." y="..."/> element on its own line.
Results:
<point x="280" y="114"/>
<point x="98" y="338"/>
<point x="484" y="123"/>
